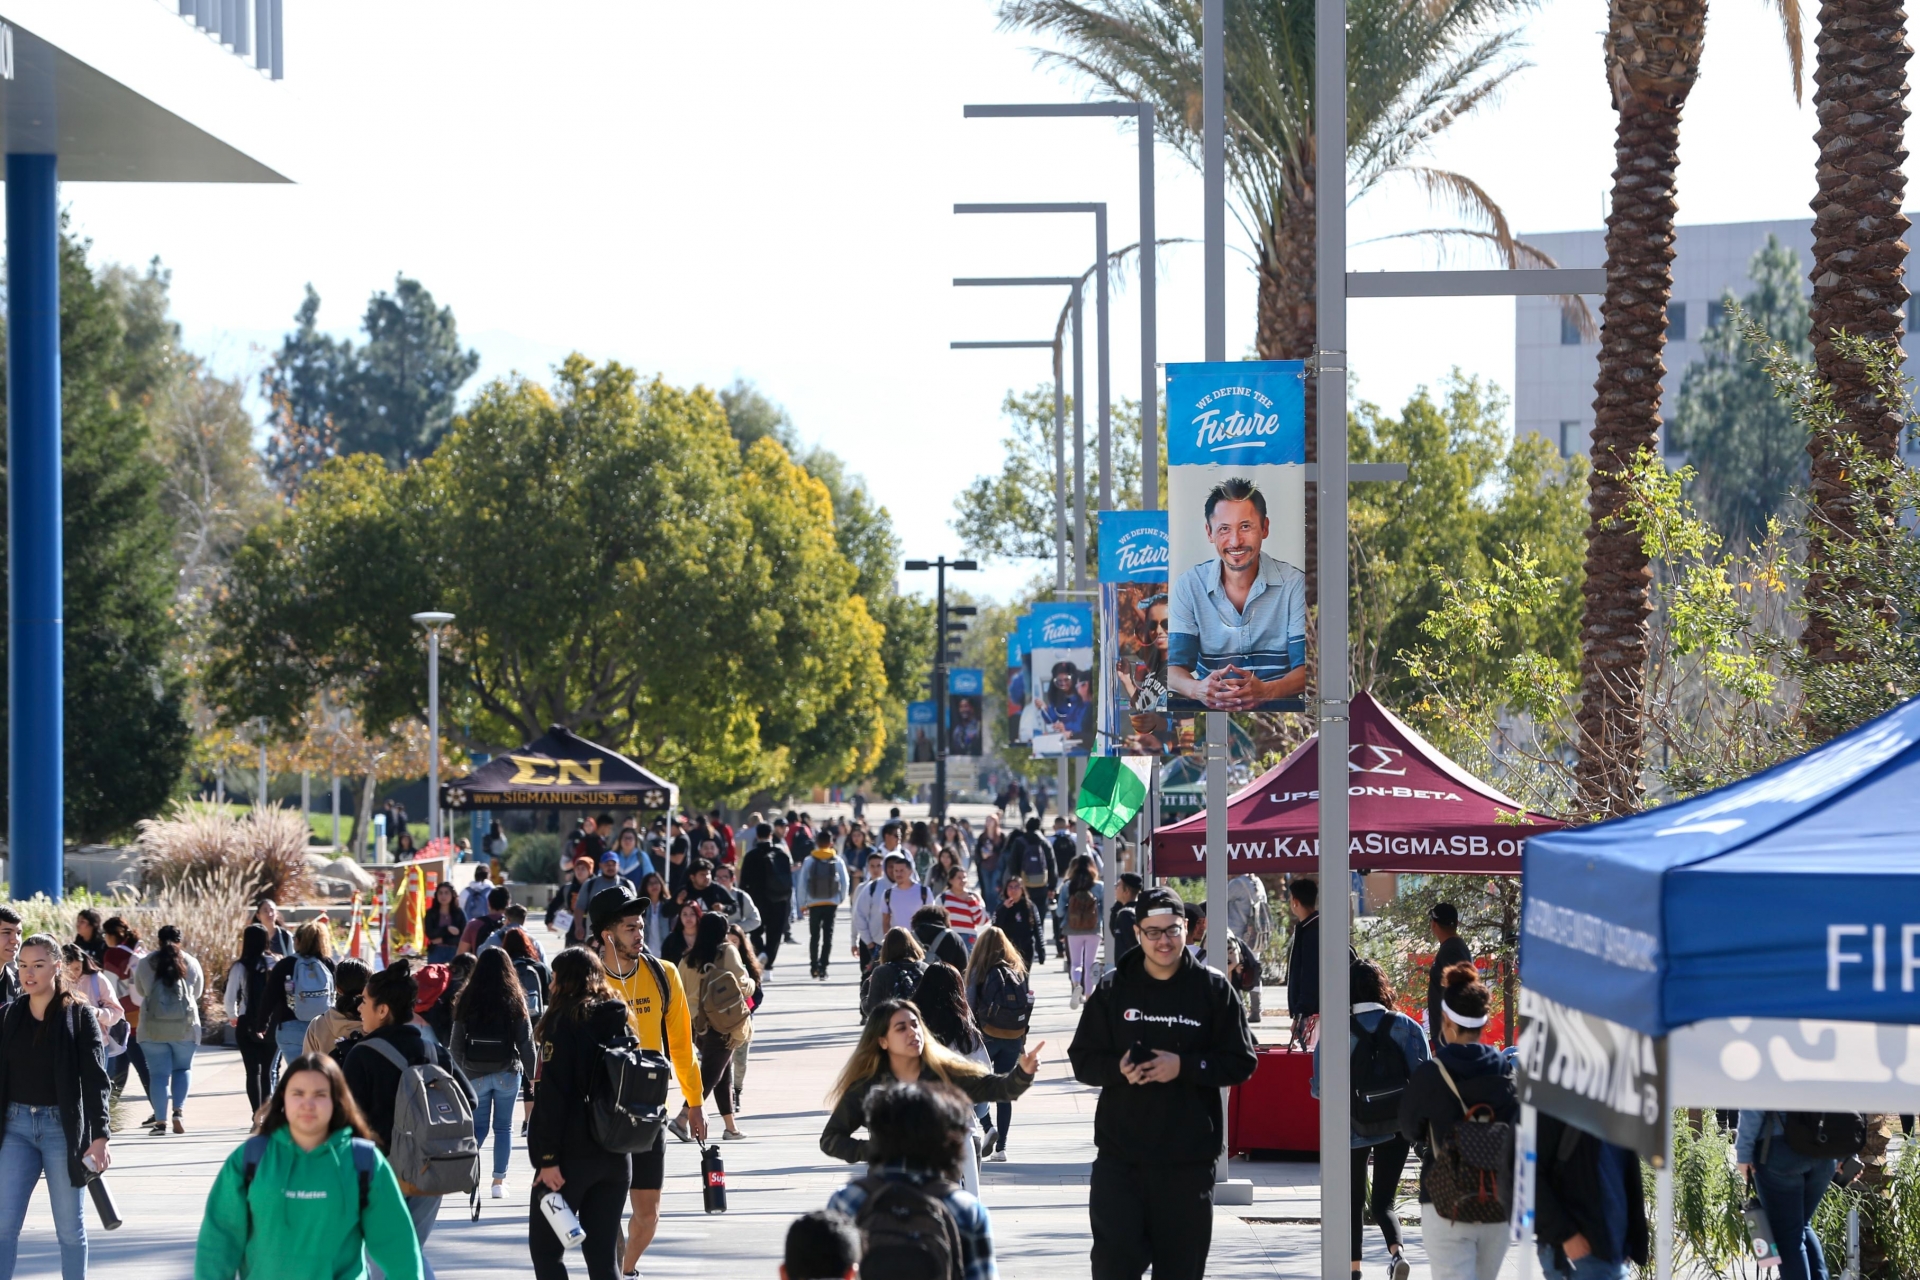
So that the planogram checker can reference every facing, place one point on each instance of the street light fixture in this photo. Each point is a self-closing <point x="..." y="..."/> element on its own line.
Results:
<point x="938" y="808"/>
<point x="433" y="620"/>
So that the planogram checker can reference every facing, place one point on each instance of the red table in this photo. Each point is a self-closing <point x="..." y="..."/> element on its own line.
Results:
<point x="1275" y="1110"/>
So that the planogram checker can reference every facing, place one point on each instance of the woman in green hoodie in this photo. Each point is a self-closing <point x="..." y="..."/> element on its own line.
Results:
<point x="309" y="1197"/>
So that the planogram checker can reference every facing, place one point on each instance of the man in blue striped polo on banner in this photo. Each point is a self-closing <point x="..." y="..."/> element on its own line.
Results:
<point x="1237" y="624"/>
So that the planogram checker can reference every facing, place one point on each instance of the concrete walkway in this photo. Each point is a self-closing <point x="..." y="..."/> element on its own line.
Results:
<point x="801" y="1038"/>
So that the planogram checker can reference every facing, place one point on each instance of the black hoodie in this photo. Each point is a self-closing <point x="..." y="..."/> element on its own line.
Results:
<point x="1194" y="1014"/>
<point x="1429" y="1110"/>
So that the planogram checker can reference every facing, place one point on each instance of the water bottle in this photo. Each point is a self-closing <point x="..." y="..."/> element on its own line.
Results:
<point x="103" y="1202"/>
<point x="567" y="1227"/>
<point x="713" y="1180"/>
<point x="1766" y="1254"/>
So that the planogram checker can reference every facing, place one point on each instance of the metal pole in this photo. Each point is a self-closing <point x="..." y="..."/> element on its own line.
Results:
<point x="36" y="777"/>
<point x="1149" y="336"/>
<point x="1079" y="447"/>
<point x="1101" y="377"/>
<point x="260" y="789"/>
<point x="336" y="813"/>
<point x="938" y="809"/>
<point x="433" y="733"/>
<point x="1059" y="477"/>
<point x="306" y="799"/>
<point x="1330" y="186"/>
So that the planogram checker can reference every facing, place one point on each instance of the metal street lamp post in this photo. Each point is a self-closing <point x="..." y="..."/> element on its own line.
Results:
<point x="938" y="809"/>
<point x="433" y="621"/>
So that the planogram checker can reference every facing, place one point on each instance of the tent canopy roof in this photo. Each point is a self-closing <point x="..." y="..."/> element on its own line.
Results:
<point x="560" y="770"/>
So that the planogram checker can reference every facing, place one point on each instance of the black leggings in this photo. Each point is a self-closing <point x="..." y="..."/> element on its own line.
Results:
<point x="134" y="1057"/>
<point x="1389" y="1158"/>
<point x="261" y="1058"/>
<point x="716" y="1068"/>
<point x="820" y="935"/>
<point x="598" y="1204"/>
<point x="1005" y="1055"/>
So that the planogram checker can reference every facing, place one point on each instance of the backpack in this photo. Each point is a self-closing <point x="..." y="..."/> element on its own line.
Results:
<point x="724" y="1001"/>
<point x="1379" y="1079"/>
<point x="530" y="985"/>
<point x="433" y="1149"/>
<point x="256" y="1151"/>
<point x="627" y="1096"/>
<point x="1471" y="1176"/>
<point x="167" y="1007"/>
<point x="1006" y="1003"/>
<point x="904" y="981"/>
<point x="1825" y="1135"/>
<point x="490" y="1046"/>
<point x="908" y="1231"/>
<point x="311" y="988"/>
<point x="1033" y="861"/>
<point x="780" y="874"/>
<point x="1083" y="913"/>
<point x="823" y="882"/>
<point x="253" y="1018"/>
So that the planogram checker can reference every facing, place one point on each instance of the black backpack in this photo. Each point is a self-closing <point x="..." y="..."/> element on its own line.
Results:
<point x="1379" y="1079"/>
<point x="908" y="1233"/>
<point x="1825" y="1135"/>
<point x="627" y="1094"/>
<point x="530" y="987"/>
<point x="1033" y="861"/>
<point x="905" y="980"/>
<point x="1006" y="1003"/>
<point x="490" y="1045"/>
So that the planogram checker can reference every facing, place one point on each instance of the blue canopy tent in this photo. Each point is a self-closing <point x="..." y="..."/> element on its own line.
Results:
<point x="1756" y="946"/>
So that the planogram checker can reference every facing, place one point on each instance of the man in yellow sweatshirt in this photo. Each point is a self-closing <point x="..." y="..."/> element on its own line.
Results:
<point x="662" y="1021"/>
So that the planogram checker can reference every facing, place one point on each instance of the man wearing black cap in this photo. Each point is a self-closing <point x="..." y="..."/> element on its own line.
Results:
<point x="1445" y="918"/>
<point x="1160" y="1037"/>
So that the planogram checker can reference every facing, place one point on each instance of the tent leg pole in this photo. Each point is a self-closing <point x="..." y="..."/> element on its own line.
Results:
<point x="1663" y="1211"/>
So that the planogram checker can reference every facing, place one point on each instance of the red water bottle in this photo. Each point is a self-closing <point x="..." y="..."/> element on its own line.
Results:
<point x="713" y="1180"/>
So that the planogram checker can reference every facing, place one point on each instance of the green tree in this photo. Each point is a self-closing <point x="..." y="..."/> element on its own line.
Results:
<point x="617" y="565"/>
<point x="126" y="731"/>
<point x="393" y="396"/>
<point x="1747" y="451"/>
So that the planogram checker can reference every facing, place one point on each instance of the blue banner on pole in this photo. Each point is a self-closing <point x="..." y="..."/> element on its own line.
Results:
<point x="1057" y="718"/>
<point x="1133" y="546"/>
<point x="966" y="721"/>
<point x="922" y="730"/>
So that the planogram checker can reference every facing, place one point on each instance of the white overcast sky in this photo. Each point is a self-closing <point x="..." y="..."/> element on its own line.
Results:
<point x="763" y="188"/>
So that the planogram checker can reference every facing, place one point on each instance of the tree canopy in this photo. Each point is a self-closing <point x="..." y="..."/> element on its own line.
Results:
<point x="617" y="564"/>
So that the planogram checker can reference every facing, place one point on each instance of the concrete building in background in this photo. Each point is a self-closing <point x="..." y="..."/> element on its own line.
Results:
<point x="1554" y="367"/>
<point x="105" y="91"/>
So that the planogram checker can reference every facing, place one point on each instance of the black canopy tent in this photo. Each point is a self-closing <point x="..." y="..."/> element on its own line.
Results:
<point x="560" y="770"/>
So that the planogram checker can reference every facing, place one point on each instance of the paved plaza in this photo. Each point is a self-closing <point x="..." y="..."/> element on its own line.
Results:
<point x="801" y="1038"/>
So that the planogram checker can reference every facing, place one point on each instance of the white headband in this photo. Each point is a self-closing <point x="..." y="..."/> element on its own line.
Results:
<point x="1461" y="1019"/>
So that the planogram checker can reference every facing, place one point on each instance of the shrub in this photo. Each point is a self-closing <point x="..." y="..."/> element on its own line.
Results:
<point x="534" y="858"/>
<point x="197" y="839"/>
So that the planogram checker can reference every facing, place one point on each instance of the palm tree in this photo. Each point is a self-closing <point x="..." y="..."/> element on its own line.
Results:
<point x="1415" y="68"/>
<point x="1859" y="260"/>
<point x="1652" y="58"/>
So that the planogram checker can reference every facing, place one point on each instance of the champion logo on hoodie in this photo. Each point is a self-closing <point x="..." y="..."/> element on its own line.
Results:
<point x="1169" y="1019"/>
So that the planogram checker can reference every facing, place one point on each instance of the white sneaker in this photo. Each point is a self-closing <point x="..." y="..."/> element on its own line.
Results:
<point x="499" y="1191"/>
<point x="998" y="1157"/>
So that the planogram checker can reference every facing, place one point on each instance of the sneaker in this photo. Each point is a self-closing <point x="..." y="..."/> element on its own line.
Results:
<point x="1398" y="1268"/>
<point x="499" y="1191"/>
<point x="678" y="1128"/>
<point x="999" y="1156"/>
<point x="733" y="1135"/>
<point x="179" y="1123"/>
<point x="150" y="1121"/>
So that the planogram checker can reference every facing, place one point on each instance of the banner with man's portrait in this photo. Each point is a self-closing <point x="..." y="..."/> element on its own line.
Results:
<point x="1057" y="718"/>
<point x="1237" y="538"/>
<point x="923" y="732"/>
<point x="1133" y="633"/>
<point x="966" y="727"/>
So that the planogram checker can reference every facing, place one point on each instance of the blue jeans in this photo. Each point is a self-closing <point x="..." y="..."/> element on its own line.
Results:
<point x="291" y="1036"/>
<point x="169" y="1067"/>
<point x="424" y="1210"/>
<point x="1587" y="1268"/>
<point x="36" y="1143"/>
<point x="493" y="1101"/>
<point x="1004" y="1054"/>
<point x="1790" y="1187"/>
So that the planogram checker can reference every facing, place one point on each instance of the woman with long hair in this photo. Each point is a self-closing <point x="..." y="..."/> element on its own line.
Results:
<point x="658" y="917"/>
<point x="403" y="849"/>
<point x="53" y="1104"/>
<point x="1001" y="1000"/>
<point x="310" y="1193"/>
<point x="122" y="957"/>
<point x="445" y="923"/>
<point x="298" y="984"/>
<point x="169" y="983"/>
<point x="720" y="995"/>
<point x="584" y="1015"/>
<point x="894" y="1045"/>
<point x="1019" y="919"/>
<point x="675" y="944"/>
<point x="1082" y="903"/>
<point x="902" y="961"/>
<point x="88" y="983"/>
<point x="966" y="913"/>
<point x="249" y="1008"/>
<point x="492" y="1042"/>
<point x="986" y="857"/>
<point x="756" y="992"/>
<point x="86" y="932"/>
<point x="536" y="979"/>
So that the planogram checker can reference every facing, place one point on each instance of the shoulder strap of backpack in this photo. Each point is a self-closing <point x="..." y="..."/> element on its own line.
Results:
<point x="1447" y="1076"/>
<point x="388" y="1052"/>
<point x="255" y="1148"/>
<point x="666" y="992"/>
<point x="363" y="1168"/>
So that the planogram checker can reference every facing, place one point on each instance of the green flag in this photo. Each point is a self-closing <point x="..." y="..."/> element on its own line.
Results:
<point x="1113" y="792"/>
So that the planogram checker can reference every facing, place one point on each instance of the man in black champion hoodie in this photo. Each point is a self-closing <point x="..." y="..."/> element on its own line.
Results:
<point x="1160" y="1036"/>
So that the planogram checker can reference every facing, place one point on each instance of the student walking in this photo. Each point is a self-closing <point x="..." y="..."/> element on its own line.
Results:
<point x="898" y="973"/>
<point x="822" y="1245"/>
<point x="766" y="872"/>
<point x="1590" y="1212"/>
<point x="1001" y="999"/>
<point x="966" y="913"/>
<point x="1790" y="1184"/>
<point x="867" y="899"/>
<point x="96" y="990"/>
<point x="937" y="939"/>
<point x="309" y="1194"/>
<point x="1463" y="1076"/>
<point x="756" y="992"/>
<point x="444" y="924"/>
<point x="1083" y="902"/>
<point x="302" y="987"/>
<point x="894" y="1045"/>
<point x="249" y="1005"/>
<point x="492" y="1042"/>
<point x="122" y="956"/>
<point x="820" y="886"/>
<point x="343" y="1019"/>
<point x="686" y="930"/>
<point x="53" y="1104"/>
<point x="722" y="1001"/>
<point x="169" y="983"/>
<point x="1444" y="921"/>
<point x="1160" y="1037"/>
<point x="585" y="1015"/>
<point x="1019" y="918"/>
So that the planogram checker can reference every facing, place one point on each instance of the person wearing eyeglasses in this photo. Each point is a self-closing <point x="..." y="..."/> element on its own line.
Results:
<point x="1161" y="1036"/>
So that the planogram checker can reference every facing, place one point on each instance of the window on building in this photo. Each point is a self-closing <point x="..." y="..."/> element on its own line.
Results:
<point x="1569" y="331"/>
<point x="1676" y="322"/>
<point x="1716" y="313"/>
<point x="1570" y="437"/>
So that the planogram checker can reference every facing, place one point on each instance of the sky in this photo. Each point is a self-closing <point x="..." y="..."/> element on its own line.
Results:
<point x="763" y="190"/>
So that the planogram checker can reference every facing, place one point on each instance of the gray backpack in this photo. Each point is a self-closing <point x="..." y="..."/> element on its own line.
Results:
<point x="310" y="988"/>
<point x="167" y="1012"/>
<point x="434" y="1149"/>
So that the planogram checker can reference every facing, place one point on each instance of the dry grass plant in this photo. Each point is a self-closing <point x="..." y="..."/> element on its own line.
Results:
<point x="197" y="838"/>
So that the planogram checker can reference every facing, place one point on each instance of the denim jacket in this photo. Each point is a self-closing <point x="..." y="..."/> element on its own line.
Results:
<point x="1406" y="1033"/>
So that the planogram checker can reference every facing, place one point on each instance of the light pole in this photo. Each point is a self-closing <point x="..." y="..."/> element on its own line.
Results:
<point x="1149" y="283"/>
<point x="1059" y="435"/>
<point x="938" y="809"/>
<point x="433" y="621"/>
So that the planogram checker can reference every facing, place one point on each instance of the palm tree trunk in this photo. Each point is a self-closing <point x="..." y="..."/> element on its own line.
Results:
<point x="1653" y="57"/>
<point x="1288" y="327"/>
<point x="1859" y="254"/>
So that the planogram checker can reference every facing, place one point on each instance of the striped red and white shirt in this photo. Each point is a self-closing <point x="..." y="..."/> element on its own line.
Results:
<point x="966" y="914"/>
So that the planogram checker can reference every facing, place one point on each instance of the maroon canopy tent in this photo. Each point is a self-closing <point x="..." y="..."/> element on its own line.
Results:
<point x="1412" y="810"/>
